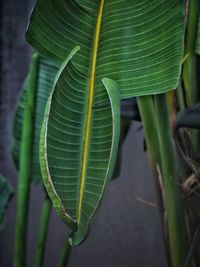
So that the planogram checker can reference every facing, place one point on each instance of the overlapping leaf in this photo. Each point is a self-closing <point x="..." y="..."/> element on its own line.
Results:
<point x="45" y="78"/>
<point x="76" y="164"/>
<point x="140" y="44"/>
<point x="137" y="45"/>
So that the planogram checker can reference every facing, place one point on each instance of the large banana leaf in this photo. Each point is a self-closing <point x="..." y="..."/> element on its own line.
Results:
<point x="45" y="78"/>
<point x="140" y="42"/>
<point x="79" y="142"/>
<point x="138" y="46"/>
<point x="6" y="193"/>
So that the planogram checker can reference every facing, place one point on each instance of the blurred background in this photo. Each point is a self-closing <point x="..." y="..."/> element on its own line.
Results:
<point x="126" y="232"/>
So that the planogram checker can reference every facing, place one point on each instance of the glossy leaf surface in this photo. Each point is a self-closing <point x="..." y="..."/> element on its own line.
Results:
<point x="140" y="42"/>
<point x="78" y="151"/>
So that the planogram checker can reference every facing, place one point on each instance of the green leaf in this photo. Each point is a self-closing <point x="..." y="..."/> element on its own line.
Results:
<point x="6" y="193"/>
<point x="46" y="74"/>
<point x="79" y="143"/>
<point x="140" y="43"/>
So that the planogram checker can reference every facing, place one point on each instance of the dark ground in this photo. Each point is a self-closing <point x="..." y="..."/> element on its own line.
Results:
<point x="125" y="232"/>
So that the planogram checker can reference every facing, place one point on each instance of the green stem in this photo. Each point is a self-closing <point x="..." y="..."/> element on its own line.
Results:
<point x="190" y="68"/>
<point x="190" y="65"/>
<point x="64" y="259"/>
<point x="24" y="170"/>
<point x="190" y="78"/>
<point x="43" y="230"/>
<point x="180" y="98"/>
<point x="147" y="113"/>
<point x="175" y="219"/>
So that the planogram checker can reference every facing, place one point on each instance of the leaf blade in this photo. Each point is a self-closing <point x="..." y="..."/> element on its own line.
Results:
<point x="140" y="46"/>
<point x="62" y="148"/>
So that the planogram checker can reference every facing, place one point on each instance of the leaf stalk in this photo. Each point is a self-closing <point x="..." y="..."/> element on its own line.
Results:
<point x="24" y="170"/>
<point x="42" y="234"/>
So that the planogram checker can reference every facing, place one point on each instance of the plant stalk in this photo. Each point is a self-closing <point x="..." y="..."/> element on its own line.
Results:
<point x="180" y="98"/>
<point x="190" y="64"/>
<point x="43" y="230"/>
<point x="191" y="81"/>
<point x="175" y="219"/>
<point x="147" y="113"/>
<point x="64" y="259"/>
<point x="190" y="76"/>
<point x="24" y="170"/>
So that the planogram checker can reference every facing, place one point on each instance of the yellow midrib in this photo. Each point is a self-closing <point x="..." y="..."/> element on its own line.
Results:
<point x="90" y="103"/>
